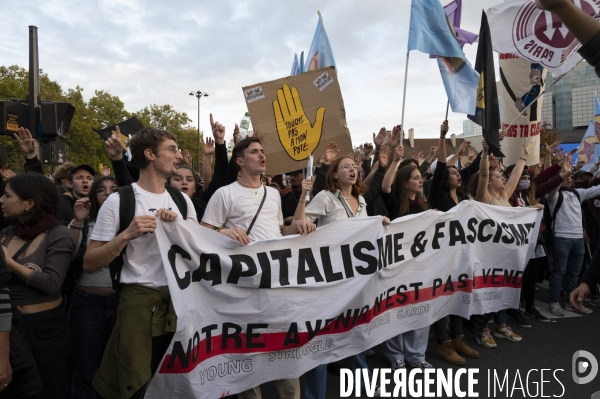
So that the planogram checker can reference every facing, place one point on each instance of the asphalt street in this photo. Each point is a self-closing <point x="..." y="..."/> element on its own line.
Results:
<point x="547" y="346"/>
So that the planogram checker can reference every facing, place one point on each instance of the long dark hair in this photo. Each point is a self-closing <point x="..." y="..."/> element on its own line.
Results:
<point x="402" y="176"/>
<point x="95" y="206"/>
<point x="446" y="185"/>
<point x="39" y="189"/>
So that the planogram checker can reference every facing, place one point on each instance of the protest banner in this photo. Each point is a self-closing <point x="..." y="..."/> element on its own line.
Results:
<point x="298" y="116"/>
<point x="276" y="309"/>
<point x="521" y="84"/>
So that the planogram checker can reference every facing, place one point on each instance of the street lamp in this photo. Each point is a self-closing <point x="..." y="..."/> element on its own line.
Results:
<point x="198" y="94"/>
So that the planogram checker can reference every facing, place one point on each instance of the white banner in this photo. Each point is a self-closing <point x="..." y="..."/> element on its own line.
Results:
<point x="276" y="309"/>
<point x="521" y="83"/>
<point x="519" y="27"/>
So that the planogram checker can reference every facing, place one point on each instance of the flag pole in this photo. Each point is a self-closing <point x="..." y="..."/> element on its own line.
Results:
<point x="405" y="76"/>
<point x="447" y="107"/>
<point x="404" y="98"/>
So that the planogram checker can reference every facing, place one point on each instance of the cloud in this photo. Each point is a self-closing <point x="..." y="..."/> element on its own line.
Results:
<point x="148" y="52"/>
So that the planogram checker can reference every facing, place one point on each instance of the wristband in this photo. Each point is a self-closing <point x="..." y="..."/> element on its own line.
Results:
<point x="115" y="242"/>
<point x="485" y="157"/>
<point x="110" y="250"/>
<point x="75" y="226"/>
<point x="523" y="159"/>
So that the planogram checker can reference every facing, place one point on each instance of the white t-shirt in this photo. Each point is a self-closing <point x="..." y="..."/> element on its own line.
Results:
<point x="327" y="207"/>
<point x="235" y="206"/>
<point x="142" y="262"/>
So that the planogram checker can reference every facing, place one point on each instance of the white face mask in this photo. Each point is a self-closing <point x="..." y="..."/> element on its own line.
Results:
<point x="524" y="184"/>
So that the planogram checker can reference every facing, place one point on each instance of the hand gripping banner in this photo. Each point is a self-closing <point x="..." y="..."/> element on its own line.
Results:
<point x="276" y="309"/>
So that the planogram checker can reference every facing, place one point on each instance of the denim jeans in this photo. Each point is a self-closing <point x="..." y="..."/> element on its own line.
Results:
<point x="567" y="261"/>
<point x="91" y="320"/>
<point x="315" y="380"/>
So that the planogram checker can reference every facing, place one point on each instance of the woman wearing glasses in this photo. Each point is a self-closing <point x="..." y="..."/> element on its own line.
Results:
<point x="93" y="307"/>
<point x="345" y="196"/>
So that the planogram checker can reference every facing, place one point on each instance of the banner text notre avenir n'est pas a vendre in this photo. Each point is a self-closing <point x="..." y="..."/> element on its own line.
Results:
<point x="276" y="309"/>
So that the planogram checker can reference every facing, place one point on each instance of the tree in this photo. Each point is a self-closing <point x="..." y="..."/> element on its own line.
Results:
<point x="85" y="146"/>
<point x="548" y="135"/>
<point x="164" y="117"/>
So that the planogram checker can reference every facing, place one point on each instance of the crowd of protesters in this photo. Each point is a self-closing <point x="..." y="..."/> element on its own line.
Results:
<point x="85" y="310"/>
<point x="84" y="337"/>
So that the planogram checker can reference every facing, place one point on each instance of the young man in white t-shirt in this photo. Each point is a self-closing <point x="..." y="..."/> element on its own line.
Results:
<point x="231" y="211"/>
<point x="145" y="319"/>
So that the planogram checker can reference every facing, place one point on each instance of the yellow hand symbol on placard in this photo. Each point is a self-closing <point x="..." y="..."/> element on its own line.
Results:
<point x="297" y="135"/>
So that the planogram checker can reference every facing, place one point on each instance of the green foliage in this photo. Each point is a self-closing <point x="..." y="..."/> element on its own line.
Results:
<point x="164" y="117"/>
<point x="103" y="109"/>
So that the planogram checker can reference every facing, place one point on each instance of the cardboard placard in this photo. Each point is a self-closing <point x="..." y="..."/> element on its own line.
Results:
<point x="521" y="84"/>
<point x="298" y="116"/>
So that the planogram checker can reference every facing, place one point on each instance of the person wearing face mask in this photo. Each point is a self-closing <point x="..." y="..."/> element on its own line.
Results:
<point x="524" y="196"/>
<point x="494" y="189"/>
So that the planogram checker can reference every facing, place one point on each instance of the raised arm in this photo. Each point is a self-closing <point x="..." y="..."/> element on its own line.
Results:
<point x="459" y="152"/>
<point x="515" y="175"/>
<point x="115" y="151"/>
<point x="483" y="195"/>
<point x="27" y="144"/>
<point x="207" y="170"/>
<point x="378" y="140"/>
<point x="374" y="190"/>
<point x="582" y="25"/>
<point x="331" y="152"/>
<point x="390" y="175"/>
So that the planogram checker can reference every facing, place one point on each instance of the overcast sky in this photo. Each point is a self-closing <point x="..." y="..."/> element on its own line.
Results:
<point x="152" y="51"/>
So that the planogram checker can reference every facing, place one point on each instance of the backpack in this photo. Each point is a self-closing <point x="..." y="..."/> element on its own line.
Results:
<point x="550" y="218"/>
<point x="126" y="215"/>
<point x="75" y="267"/>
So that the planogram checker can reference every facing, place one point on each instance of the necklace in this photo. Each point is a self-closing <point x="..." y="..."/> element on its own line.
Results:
<point x="253" y="188"/>
<point x="347" y="199"/>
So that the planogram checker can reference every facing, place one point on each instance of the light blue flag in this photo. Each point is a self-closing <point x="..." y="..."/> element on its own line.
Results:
<point x="295" y="68"/>
<point x="320" y="54"/>
<point x="430" y="31"/>
<point x="589" y="150"/>
<point x="461" y="82"/>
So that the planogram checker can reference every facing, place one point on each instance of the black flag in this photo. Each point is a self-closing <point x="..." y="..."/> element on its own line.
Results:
<point x="129" y="127"/>
<point x="487" y="113"/>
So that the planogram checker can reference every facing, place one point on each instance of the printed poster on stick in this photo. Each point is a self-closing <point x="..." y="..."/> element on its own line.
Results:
<point x="298" y="116"/>
<point x="521" y="83"/>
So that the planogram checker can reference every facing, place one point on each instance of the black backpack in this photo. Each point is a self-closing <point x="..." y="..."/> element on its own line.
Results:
<point x="550" y="218"/>
<point x="75" y="267"/>
<point x="126" y="215"/>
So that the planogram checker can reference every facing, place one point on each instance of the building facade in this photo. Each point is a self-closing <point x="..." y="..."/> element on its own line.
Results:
<point x="567" y="107"/>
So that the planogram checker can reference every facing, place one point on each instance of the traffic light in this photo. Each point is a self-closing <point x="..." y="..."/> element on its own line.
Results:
<point x="13" y="115"/>
<point x="55" y="119"/>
